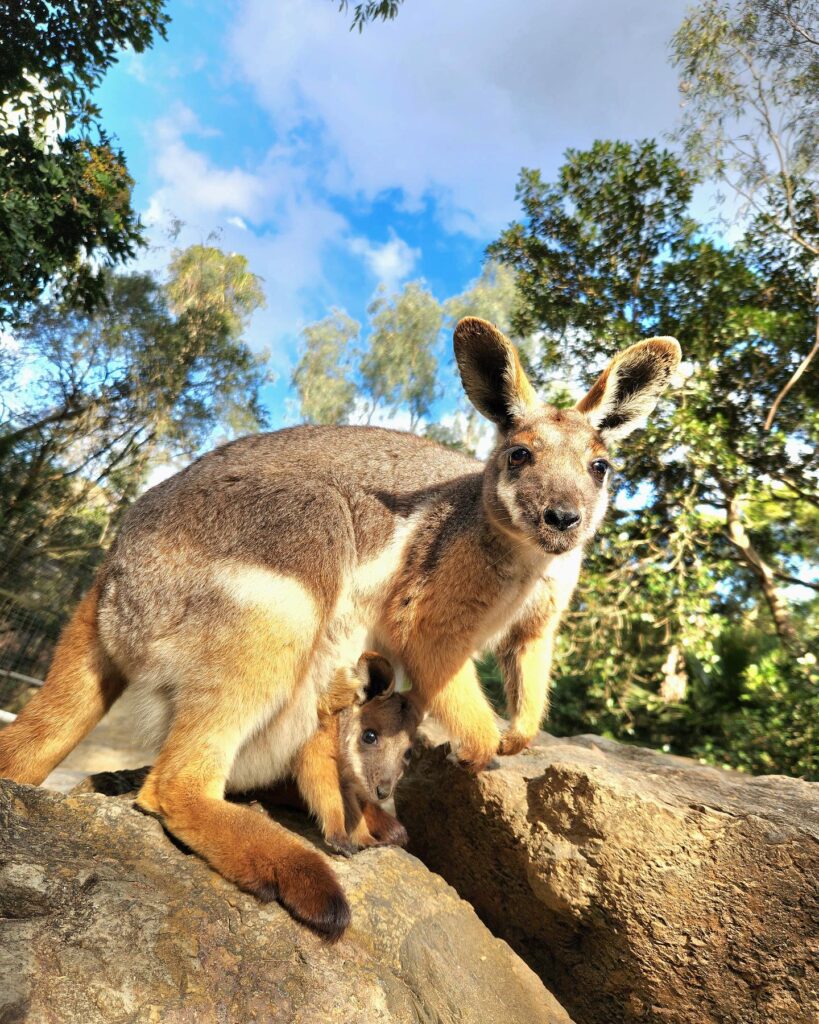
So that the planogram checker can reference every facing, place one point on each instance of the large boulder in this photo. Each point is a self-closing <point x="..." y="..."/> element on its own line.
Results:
<point x="104" y="919"/>
<point x="642" y="888"/>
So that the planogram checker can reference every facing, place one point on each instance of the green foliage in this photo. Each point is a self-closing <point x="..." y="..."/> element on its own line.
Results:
<point x="394" y="369"/>
<point x="750" y="83"/>
<point x="65" y="192"/>
<point x="586" y="258"/>
<point x="399" y="367"/>
<point x="322" y="377"/>
<point x="370" y="10"/>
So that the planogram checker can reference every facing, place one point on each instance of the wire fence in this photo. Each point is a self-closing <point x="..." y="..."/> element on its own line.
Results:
<point x="38" y="592"/>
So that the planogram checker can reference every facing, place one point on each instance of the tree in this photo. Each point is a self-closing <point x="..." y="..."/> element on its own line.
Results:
<point x="149" y="377"/>
<point x="750" y="78"/>
<point x="716" y="512"/>
<point x="399" y="367"/>
<point x="322" y="377"/>
<point x="65" y="192"/>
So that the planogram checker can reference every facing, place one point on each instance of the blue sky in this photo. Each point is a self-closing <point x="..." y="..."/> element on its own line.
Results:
<point x="336" y="161"/>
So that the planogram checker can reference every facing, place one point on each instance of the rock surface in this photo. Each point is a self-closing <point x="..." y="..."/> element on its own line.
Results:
<point x="103" y="919"/>
<point x="641" y="888"/>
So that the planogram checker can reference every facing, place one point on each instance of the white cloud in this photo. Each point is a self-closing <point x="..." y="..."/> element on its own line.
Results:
<point x="450" y="100"/>
<point x="191" y="182"/>
<point x="391" y="262"/>
<point x="269" y="212"/>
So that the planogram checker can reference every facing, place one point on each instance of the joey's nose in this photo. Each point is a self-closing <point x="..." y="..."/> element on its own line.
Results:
<point x="561" y="518"/>
<point x="383" y="791"/>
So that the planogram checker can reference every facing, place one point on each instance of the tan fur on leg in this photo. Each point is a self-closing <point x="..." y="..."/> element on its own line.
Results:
<point x="462" y="709"/>
<point x="527" y="676"/>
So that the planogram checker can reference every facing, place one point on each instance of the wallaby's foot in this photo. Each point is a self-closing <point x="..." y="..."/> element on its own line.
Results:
<point x="383" y="827"/>
<point x="310" y="891"/>
<point x="512" y="743"/>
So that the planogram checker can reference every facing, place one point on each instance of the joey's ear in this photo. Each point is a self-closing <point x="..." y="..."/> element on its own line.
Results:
<point x="628" y="389"/>
<point x="490" y="369"/>
<point x="380" y="678"/>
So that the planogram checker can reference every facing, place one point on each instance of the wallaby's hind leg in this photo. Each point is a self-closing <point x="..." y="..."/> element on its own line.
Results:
<point x="80" y="687"/>
<point x="186" y="789"/>
<point x="236" y="681"/>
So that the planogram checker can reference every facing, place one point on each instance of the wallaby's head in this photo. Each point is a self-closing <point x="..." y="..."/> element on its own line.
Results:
<point x="376" y="736"/>
<point x="546" y="480"/>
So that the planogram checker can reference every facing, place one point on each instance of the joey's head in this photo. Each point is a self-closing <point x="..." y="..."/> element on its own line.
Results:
<point x="377" y="735"/>
<point x="546" y="481"/>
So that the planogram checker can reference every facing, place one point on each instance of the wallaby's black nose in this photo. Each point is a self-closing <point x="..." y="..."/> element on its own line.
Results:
<point x="382" y="792"/>
<point x="561" y="518"/>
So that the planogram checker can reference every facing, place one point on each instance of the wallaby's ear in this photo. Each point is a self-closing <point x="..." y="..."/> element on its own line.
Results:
<point x="628" y="389"/>
<point x="380" y="678"/>
<point x="490" y="369"/>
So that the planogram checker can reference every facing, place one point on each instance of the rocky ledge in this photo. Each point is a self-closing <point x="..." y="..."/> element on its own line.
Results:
<point x="103" y="919"/>
<point x="640" y="887"/>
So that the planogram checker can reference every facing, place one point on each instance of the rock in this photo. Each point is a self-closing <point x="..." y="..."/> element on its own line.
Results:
<point x="104" y="919"/>
<point x="641" y="888"/>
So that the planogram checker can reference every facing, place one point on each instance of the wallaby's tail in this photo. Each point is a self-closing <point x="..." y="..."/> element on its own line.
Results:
<point x="80" y="687"/>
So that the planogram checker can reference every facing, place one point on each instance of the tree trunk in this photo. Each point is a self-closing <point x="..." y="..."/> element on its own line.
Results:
<point x="764" y="573"/>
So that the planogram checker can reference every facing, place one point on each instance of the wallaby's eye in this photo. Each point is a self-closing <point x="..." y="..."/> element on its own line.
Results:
<point x="519" y="457"/>
<point x="600" y="467"/>
<point x="408" y="754"/>
<point x="369" y="736"/>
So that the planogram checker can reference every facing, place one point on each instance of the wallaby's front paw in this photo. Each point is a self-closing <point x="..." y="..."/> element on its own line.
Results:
<point x="342" y="844"/>
<point x="512" y="743"/>
<point x="475" y="760"/>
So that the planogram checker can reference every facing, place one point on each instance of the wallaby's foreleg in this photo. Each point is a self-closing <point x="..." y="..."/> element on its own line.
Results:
<point x="463" y="710"/>
<point x="186" y="789"/>
<point x="317" y="776"/>
<point x="526" y="672"/>
<point x="80" y="687"/>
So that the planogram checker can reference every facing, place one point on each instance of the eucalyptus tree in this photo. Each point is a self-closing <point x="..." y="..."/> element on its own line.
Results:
<point x="750" y="81"/>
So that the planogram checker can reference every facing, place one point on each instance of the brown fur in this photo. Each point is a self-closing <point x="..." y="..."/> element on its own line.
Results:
<point x="236" y="588"/>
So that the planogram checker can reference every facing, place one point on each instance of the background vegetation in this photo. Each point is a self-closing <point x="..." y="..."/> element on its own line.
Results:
<point x="696" y="625"/>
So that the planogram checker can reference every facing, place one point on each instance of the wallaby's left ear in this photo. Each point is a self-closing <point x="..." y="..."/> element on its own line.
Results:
<point x="379" y="675"/>
<point x="490" y="369"/>
<point x="628" y="389"/>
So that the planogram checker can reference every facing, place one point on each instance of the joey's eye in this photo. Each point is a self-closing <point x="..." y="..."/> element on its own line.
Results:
<point x="408" y="754"/>
<point x="369" y="736"/>
<point x="519" y="457"/>
<point x="600" y="467"/>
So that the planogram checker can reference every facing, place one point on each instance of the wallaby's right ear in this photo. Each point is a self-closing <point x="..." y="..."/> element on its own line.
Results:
<point x="630" y="386"/>
<point x="490" y="369"/>
<point x="379" y="675"/>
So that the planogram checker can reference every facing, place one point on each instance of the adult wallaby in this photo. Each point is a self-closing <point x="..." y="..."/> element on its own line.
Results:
<point x="235" y="587"/>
